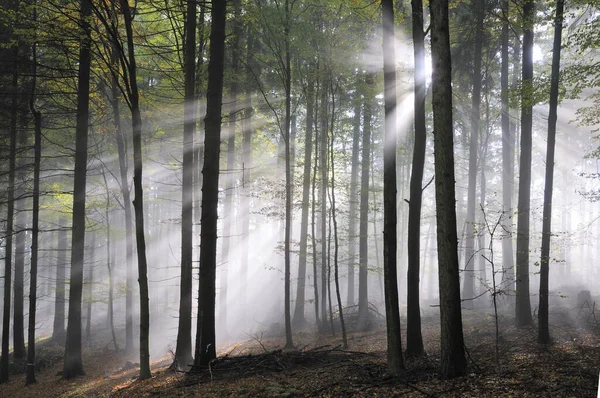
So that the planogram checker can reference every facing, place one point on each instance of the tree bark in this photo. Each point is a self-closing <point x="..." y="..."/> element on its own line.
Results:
<point x="363" y="232"/>
<point x="469" y="277"/>
<point x="183" y="352"/>
<point x="392" y="311"/>
<point x="523" y="305"/>
<point x="353" y="196"/>
<point x="543" y="330"/>
<point x="138" y="202"/>
<point x="299" y="319"/>
<point x="73" y="365"/>
<point x="453" y="361"/>
<point x="414" y="339"/>
<point x="205" y="334"/>
<point x="58" y="329"/>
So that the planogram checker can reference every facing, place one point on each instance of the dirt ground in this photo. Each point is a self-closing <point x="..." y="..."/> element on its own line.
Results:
<point x="320" y="368"/>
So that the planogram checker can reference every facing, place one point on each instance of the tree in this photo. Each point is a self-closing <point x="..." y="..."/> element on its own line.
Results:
<point x="392" y="311"/>
<point x="37" y="148"/>
<point x="523" y="305"/>
<point x="469" y="279"/>
<point x="205" y="332"/>
<point x="414" y="339"/>
<point x="58" y="326"/>
<point x="363" y="224"/>
<point x="183" y="353"/>
<point x="4" y="369"/>
<point x="299" y="319"/>
<point x="73" y="365"/>
<point x="507" y="149"/>
<point x="138" y="201"/>
<point x="453" y="361"/>
<point x="543" y="329"/>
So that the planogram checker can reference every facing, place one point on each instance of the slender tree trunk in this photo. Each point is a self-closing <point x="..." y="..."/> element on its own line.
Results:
<point x="469" y="279"/>
<point x="288" y="179"/>
<point x="58" y="329"/>
<point x="392" y="311"/>
<point x="414" y="339"/>
<point x="138" y="202"/>
<point x="323" y="191"/>
<point x="126" y="193"/>
<point x="453" y="361"/>
<point x="313" y="234"/>
<point x="247" y="131"/>
<point x="363" y="232"/>
<point x="205" y="333"/>
<point x="299" y="319"/>
<point x="336" y="245"/>
<point x="183" y="352"/>
<point x="353" y="196"/>
<point x="543" y="331"/>
<point x="90" y="289"/>
<point x="8" y="254"/>
<point x="507" y="153"/>
<point x="20" y="236"/>
<point x="73" y="364"/>
<point x="37" y="148"/>
<point x="523" y="305"/>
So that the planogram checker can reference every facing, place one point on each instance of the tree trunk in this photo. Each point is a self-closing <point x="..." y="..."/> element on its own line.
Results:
<point x="37" y="148"/>
<point x="125" y="192"/>
<point x="453" y="361"/>
<point x="183" y="352"/>
<point x="335" y="233"/>
<point x="288" y="179"/>
<point x="523" y="305"/>
<point x="323" y="191"/>
<point x="299" y="319"/>
<point x="507" y="154"/>
<point x="20" y="236"/>
<point x="414" y="339"/>
<point x="392" y="311"/>
<point x="363" y="232"/>
<point x="73" y="365"/>
<point x="313" y="234"/>
<point x="353" y="197"/>
<point x="138" y="202"/>
<point x="205" y="334"/>
<point x="247" y="131"/>
<point x="58" y="329"/>
<point x="90" y="289"/>
<point x="469" y="278"/>
<point x="543" y="331"/>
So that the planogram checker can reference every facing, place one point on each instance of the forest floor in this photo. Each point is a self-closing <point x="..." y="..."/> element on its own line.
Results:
<point x="320" y="368"/>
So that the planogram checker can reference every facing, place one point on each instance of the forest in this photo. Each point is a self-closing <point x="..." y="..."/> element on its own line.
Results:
<point x="299" y="198"/>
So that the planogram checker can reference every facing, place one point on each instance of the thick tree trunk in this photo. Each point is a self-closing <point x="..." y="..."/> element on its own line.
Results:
<point x="363" y="232"/>
<point x="523" y="305"/>
<point x="73" y="365"/>
<point x="205" y="334"/>
<point x="37" y="156"/>
<point x="469" y="277"/>
<point x="453" y="361"/>
<point x="543" y="331"/>
<point x="414" y="339"/>
<point x="138" y="202"/>
<point x="392" y="311"/>
<point x="299" y="319"/>
<point x="183" y="352"/>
